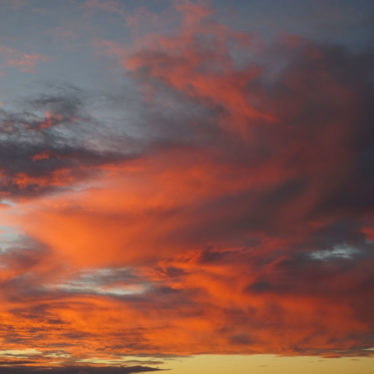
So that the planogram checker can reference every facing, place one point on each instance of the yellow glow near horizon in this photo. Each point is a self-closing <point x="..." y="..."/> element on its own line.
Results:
<point x="270" y="364"/>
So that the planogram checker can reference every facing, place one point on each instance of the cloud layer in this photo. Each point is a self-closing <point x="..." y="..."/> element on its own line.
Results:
<point x="233" y="215"/>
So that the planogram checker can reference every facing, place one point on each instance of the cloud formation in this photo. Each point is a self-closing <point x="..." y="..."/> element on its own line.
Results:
<point x="53" y="144"/>
<point x="24" y="62"/>
<point x="242" y="222"/>
<point x="77" y="369"/>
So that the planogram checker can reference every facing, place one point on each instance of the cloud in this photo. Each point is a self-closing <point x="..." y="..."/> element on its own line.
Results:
<point x="52" y="144"/>
<point x="245" y="215"/>
<point x="77" y="369"/>
<point x="24" y="62"/>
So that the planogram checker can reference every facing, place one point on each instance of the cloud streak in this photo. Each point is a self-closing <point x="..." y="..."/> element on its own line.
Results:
<point x="24" y="62"/>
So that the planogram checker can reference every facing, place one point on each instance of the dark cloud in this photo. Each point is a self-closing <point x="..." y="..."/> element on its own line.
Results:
<point x="77" y="370"/>
<point x="244" y="218"/>
<point x="53" y="143"/>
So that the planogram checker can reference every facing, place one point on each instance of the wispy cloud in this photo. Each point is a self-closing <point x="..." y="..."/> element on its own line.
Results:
<point x="24" y="62"/>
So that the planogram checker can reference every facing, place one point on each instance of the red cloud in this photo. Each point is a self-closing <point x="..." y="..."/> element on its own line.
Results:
<point x="246" y="228"/>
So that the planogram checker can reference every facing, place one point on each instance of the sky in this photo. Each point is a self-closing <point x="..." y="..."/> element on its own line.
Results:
<point x="186" y="186"/>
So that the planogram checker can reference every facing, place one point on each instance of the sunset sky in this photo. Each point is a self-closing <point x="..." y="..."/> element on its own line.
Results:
<point x="187" y="185"/>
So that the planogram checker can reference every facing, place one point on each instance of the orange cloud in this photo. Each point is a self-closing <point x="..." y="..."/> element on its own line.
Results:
<point x="246" y="229"/>
<point x="41" y="156"/>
